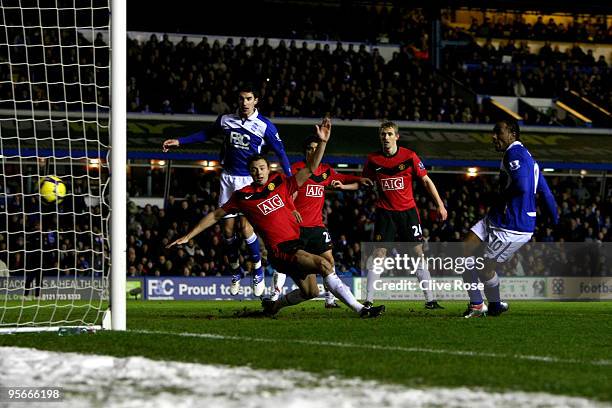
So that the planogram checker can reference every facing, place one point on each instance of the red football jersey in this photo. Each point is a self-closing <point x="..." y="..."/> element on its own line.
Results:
<point x="311" y="196"/>
<point x="268" y="208"/>
<point x="394" y="176"/>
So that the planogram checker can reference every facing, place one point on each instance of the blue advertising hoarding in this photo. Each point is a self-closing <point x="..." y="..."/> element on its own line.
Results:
<point x="209" y="288"/>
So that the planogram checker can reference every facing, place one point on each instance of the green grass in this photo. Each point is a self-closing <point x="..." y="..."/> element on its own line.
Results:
<point x="577" y="335"/>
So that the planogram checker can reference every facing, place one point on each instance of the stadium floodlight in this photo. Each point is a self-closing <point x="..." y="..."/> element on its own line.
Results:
<point x="62" y="127"/>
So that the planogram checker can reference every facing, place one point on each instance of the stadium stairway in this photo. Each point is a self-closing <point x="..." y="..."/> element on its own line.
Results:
<point x="598" y="115"/>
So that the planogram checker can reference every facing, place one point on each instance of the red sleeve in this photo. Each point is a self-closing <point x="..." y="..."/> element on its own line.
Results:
<point x="290" y="203"/>
<point x="367" y="170"/>
<point x="418" y="166"/>
<point x="292" y="186"/>
<point x="231" y="206"/>
<point x="344" y="178"/>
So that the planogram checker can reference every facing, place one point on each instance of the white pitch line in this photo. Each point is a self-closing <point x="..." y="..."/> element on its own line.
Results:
<point x="544" y="359"/>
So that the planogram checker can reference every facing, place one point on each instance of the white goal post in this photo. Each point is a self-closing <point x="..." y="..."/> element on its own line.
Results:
<point x="62" y="165"/>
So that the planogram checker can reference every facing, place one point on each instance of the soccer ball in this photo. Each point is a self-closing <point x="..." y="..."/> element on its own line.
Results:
<point x="52" y="189"/>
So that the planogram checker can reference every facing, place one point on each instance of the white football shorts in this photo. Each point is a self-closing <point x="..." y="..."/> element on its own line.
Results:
<point x="229" y="184"/>
<point x="501" y="243"/>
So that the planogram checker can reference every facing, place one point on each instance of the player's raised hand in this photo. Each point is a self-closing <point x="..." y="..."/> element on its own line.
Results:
<point x="180" y="241"/>
<point x="324" y="129"/>
<point x="168" y="144"/>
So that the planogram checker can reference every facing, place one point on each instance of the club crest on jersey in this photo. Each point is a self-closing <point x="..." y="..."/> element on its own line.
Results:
<point x="313" y="190"/>
<point x="324" y="175"/>
<point x="240" y="141"/>
<point x="271" y="204"/>
<point x="515" y="165"/>
<point x="271" y="186"/>
<point x="393" y="183"/>
<point x="402" y="166"/>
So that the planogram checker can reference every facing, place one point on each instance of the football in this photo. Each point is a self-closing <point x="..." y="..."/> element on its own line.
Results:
<point x="52" y="189"/>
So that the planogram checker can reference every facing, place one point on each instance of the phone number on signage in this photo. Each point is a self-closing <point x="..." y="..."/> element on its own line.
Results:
<point x="60" y="296"/>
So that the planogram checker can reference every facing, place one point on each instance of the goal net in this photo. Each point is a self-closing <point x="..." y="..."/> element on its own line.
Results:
<point x="54" y="163"/>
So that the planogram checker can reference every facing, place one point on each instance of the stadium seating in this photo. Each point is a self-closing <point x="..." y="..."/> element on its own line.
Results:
<point x="354" y="83"/>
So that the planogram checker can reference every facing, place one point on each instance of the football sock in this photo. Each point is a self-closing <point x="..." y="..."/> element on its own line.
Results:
<point x="278" y="281"/>
<point x="491" y="289"/>
<point x="292" y="298"/>
<point x="471" y="276"/>
<point x="233" y="256"/>
<point x="253" y="246"/>
<point x="372" y="277"/>
<point x="342" y="292"/>
<point x="423" y="275"/>
<point x="329" y="296"/>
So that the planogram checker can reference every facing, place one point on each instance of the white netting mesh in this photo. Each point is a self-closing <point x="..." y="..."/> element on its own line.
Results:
<point x="54" y="120"/>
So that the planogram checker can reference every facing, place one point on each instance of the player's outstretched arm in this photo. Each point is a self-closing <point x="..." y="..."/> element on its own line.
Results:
<point x="198" y="137"/>
<point x="433" y="192"/>
<point x="324" y="133"/>
<point x="340" y="185"/>
<point x="208" y="221"/>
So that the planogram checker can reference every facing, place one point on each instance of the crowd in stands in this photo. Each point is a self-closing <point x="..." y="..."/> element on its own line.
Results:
<point x="585" y="217"/>
<point x="350" y="83"/>
<point x="594" y="30"/>
<point x="54" y="68"/>
<point x="374" y="22"/>
<point x="66" y="240"/>
<point x="512" y="69"/>
<point x="71" y="243"/>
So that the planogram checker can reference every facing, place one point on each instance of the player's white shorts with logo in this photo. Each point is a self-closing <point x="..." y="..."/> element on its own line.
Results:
<point x="501" y="243"/>
<point x="229" y="184"/>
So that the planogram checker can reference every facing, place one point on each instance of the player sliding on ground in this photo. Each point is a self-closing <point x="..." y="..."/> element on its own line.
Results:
<point x="511" y="220"/>
<point x="309" y="202"/>
<point x="245" y="133"/>
<point x="264" y="202"/>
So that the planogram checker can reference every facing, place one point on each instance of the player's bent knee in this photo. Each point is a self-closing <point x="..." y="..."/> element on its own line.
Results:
<point x="325" y="267"/>
<point x="247" y="230"/>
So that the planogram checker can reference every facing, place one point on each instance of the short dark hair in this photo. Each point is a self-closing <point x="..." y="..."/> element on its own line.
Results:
<point x="249" y="87"/>
<point x="257" y="157"/>
<point x="388" y="124"/>
<point x="511" y="125"/>
<point x="310" y="139"/>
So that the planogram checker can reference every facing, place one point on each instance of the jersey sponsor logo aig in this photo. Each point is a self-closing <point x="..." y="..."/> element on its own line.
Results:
<point x="271" y="204"/>
<point x="313" y="190"/>
<point x="393" y="183"/>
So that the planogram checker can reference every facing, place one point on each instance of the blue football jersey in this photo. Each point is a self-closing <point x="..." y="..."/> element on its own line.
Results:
<point x="520" y="179"/>
<point x="243" y="139"/>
